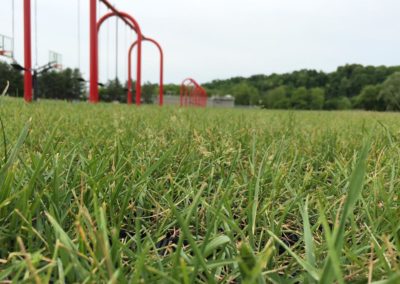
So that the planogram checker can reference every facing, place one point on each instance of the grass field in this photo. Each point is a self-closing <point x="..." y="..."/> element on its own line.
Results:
<point x="111" y="193"/>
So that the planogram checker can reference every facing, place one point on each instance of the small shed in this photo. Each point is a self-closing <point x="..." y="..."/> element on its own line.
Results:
<point x="169" y="99"/>
<point x="227" y="101"/>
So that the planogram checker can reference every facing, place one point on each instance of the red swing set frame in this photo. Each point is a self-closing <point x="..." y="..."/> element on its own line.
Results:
<point x="94" y="93"/>
<point x="191" y="92"/>
<point x="94" y="28"/>
<point x="161" y="91"/>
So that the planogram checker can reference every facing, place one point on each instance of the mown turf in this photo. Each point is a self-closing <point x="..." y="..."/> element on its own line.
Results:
<point x="111" y="193"/>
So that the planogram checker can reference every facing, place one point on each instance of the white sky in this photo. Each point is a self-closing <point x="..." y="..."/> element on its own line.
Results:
<point x="217" y="39"/>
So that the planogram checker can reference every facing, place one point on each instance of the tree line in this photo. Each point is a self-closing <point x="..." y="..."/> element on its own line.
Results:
<point x="349" y="87"/>
<point x="51" y="85"/>
<point x="68" y="85"/>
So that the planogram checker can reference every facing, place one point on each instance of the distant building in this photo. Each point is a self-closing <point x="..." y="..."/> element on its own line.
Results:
<point x="227" y="101"/>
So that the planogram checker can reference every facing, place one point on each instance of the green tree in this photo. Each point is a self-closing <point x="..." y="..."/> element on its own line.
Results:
<point x="149" y="92"/>
<point x="172" y="89"/>
<point x="340" y="103"/>
<point x="78" y="87"/>
<point x="317" y="98"/>
<point x="312" y="99"/>
<point x="62" y="85"/>
<point x="390" y="92"/>
<point x="245" y="94"/>
<point x="370" y="99"/>
<point x="276" y="98"/>
<point x="299" y="99"/>
<point x="347" y="81"/>
<point x="113" y="91"/>
<point x="7" y="73"/>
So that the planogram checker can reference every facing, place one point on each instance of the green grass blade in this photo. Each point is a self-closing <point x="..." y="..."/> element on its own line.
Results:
<point x="314" y="273"/>
<point x="354" y="192"/>
<point x="308" y="238"/>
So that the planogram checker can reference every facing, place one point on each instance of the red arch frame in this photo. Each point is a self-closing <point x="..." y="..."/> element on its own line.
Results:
<point x="94" y="71"/>
<point x="161" y="68"/>
<point x="197" y="96"/>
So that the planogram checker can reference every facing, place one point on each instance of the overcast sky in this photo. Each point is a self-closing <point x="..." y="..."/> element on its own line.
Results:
<point x="217" y="39"/>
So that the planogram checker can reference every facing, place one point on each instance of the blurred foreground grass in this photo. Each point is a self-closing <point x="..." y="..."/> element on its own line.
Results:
<point x="111" y="193"/>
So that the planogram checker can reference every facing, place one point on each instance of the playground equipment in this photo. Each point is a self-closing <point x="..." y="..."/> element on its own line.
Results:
<point x="161" y="91"/>
<point x="192" y="94"/>
<point x="55" y="59"/>
<point x="35" y="72"/>
<point x="94" y="26"/>
<point x="6" y="46"/>
<point x="31" y="73"/>
<point x="94" y="94"/>
<point x="132" y="23"/>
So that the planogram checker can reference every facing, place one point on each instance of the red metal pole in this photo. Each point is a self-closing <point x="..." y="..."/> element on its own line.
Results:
<point x="191" y="96"/>
<point x="199" y="97"/>
<point x="27" y="52"/>
<point x="161" y="72"/>
<point x="94" y="75"/>
<point x="186" y="100"/>
<point x="161" y="77"/>
<point x="185" y="96"/>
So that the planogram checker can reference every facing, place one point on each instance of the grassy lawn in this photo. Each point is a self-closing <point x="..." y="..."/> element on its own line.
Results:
<point x="98" y="193"/>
